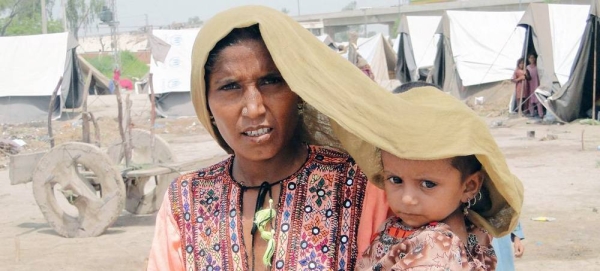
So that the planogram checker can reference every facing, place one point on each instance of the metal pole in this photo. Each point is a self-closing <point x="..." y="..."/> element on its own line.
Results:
<point x="114" y="35"/>
<point x="44" y="17"/>
<point x="365" y="10"/>
<point x="595" y="60"/>
<point x="520" y="103"/>
<point x="63" y="8"/>
<point x="298" y="2"/>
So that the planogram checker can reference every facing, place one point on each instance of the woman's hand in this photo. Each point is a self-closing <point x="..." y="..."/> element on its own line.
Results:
<point x="518" y="247"/>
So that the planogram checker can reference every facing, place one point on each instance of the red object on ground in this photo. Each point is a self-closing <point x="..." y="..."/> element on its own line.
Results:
<point x="126" y="84"/>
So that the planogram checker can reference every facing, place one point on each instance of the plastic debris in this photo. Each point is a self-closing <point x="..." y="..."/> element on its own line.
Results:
<point x="543" y="219"/>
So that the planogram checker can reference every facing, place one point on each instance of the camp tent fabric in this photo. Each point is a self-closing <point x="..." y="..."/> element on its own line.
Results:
<point x="476" y="48"/>
<point x="416" y="46"/>
<point x="171" y="77"/>
<point x="328" y="41"/>
<point x="31" y="68"/>
<point x="563" y="42"/>
<point x="346" y="110"/>
<point x="381" y="57"/>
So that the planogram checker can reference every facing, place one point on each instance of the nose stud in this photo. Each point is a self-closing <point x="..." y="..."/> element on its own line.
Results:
<point x="245" y="111"/>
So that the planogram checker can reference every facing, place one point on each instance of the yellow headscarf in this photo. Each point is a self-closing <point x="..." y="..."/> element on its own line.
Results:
<point x="348" y="111"/>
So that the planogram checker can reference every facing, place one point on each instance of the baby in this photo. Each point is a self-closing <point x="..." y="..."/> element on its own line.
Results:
<point x="430" y="200"/>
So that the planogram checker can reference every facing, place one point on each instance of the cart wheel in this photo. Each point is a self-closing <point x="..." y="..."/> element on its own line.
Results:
<point x="78" y="190"/>
<point x="145" y="194"/>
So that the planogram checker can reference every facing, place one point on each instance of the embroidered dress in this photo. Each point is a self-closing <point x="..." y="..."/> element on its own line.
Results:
<point x="430" y="247"/>
<point x="317" y="218"/>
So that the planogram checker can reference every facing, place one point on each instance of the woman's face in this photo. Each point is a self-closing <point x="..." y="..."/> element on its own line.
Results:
<point x="254" y="109"/>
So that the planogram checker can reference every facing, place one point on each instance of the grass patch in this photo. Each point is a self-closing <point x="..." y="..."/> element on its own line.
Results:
<point x="131" y="66"/>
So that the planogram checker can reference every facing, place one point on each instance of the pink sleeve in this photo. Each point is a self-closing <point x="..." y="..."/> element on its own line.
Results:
<point x="375" y="211"/>
<point x="165" y="253"/>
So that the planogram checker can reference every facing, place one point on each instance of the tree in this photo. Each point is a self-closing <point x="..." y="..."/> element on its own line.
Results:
<point x="350" y="6"/>
<point x="394" y="30"/>
<point x="194" y="21"/>
<point x="82" y="13"/>
<point x="23" y="17"/>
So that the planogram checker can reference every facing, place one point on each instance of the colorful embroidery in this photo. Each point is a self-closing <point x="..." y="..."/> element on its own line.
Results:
<point x="315" y="227"/>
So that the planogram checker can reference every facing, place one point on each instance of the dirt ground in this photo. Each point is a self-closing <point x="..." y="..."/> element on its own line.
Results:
<point x="560" y="169"/>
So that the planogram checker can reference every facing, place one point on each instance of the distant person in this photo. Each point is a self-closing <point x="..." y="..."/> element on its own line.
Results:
<point x="520" y="78"/>
<point x="364" y="66"/>
<point x="597" y="109"/>
<point x="507" y="248"/>
<point x="533" y="84"/>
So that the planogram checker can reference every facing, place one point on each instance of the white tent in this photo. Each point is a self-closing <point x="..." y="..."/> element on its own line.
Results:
<point x="171" y="78"/>
<point x="555" y="34"/>
<point x="416" y="46"/>
<point x="31" y="68"/>
<point x="381" y="57"/>
<point x="328" y="41"/>
<point x="476" y="48"/>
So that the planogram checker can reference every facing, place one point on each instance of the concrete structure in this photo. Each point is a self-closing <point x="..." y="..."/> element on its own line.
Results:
<point x="336" y="22"/>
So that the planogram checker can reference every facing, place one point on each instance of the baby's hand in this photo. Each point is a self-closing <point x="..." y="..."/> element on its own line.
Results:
<point x="518" y="247"/>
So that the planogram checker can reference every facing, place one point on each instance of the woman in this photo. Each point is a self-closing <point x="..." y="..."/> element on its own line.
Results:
<point x="322" y="198"/>
<point x="276" y="203"/>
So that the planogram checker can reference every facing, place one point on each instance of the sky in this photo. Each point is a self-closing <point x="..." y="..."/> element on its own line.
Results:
<point x="130" y="13"/>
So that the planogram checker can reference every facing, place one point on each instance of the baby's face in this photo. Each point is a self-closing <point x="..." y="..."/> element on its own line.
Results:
<point x="420" y="192"/>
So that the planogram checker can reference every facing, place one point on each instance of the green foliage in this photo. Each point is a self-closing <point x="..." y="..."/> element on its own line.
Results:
<point x="31" y="26"/>
<point x="82" y="13"/>
<point x="131" y="65"/>
<point x="23" y="17"/>
<point x="394" y="30"/>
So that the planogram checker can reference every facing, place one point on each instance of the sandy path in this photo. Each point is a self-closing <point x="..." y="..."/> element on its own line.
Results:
<point x="562" y="181"/>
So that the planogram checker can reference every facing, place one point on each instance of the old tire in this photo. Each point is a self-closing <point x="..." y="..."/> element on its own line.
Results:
<point x="140" y="199"/>
<point x="95" y="186"/>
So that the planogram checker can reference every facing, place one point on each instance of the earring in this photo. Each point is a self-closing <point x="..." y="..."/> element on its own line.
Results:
<point x="212" y="120"/>
<point x="300" y="108"/>
<point x="476" y="198"/>
<point x="468" y="206"/>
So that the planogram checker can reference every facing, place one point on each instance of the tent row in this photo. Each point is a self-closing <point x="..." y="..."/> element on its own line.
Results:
<point x="474" y="48"/>
<point x="457" y="51"/>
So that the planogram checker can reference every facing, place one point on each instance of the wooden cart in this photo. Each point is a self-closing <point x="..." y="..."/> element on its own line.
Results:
<point x="81" y="190"/>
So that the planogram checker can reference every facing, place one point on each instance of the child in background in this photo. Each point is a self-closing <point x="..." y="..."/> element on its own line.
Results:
<point x="431" y="199"/>
<point x="508" y="248"/>
<point x="520" y="78"/>
<point x="533" y="82"/>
